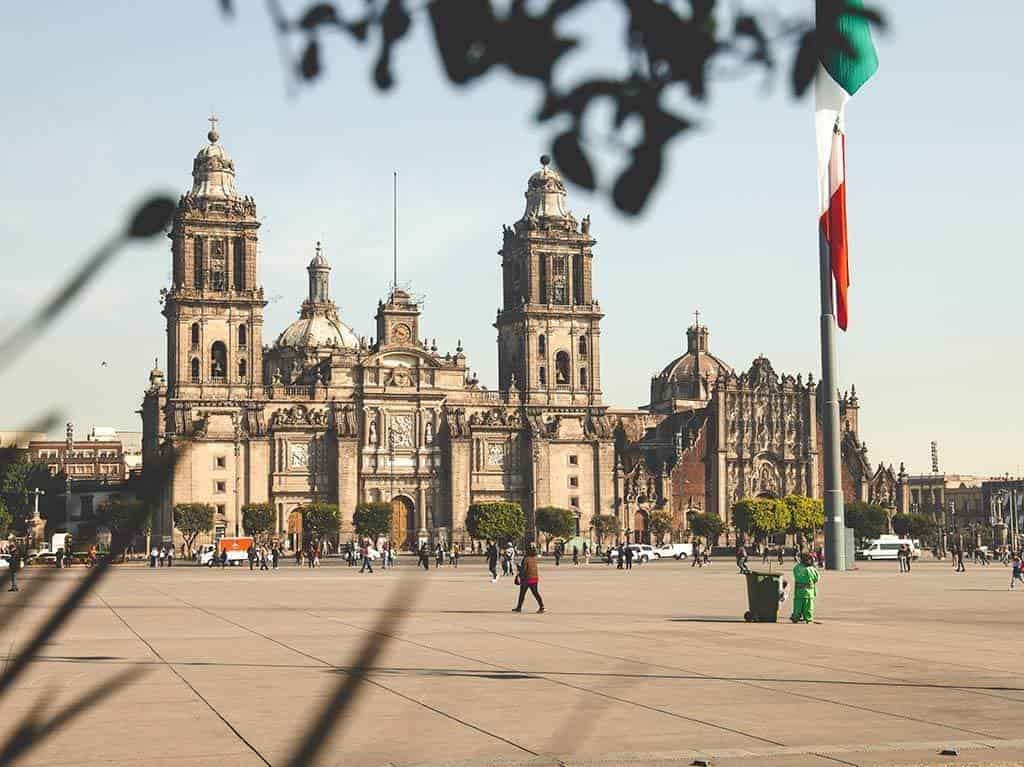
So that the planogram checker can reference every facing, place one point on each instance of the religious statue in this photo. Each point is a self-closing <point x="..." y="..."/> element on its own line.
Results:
<point x="276" y="377"/>
<point x="372" y="432"/>
<point x="428" y="433"/>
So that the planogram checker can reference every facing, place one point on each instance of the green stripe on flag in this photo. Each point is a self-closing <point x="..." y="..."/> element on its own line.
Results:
<point x="850" y="72"/>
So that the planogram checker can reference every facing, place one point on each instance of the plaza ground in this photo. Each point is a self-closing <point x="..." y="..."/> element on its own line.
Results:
<point x="653" y="666"/>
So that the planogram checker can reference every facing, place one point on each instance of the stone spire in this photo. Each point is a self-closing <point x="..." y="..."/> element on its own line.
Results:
<point x="213" y="171"/>
<point x="546" y="197"/>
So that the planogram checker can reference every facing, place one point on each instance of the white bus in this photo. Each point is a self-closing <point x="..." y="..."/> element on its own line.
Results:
<point x="888" y="547"/>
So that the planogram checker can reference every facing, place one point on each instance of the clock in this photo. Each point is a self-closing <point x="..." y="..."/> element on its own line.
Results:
<point x="401" y="333"/>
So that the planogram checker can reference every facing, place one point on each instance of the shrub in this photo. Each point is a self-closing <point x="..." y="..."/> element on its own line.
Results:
<point x="496" y="520"/>
<point x="372" y="520"/>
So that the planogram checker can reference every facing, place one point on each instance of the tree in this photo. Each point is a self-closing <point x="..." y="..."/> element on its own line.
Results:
<point x="500" y="521"/>
<point x="605" y="525"/>
<point x="191" y="519"/>
<point x="760" y="517"/>
<point x="660" y="522"/>
<point x="868" y="520"/>
<point x="806" y="515"/>
<point x="372" y="520"/>
<point x="5" y="518"/>
<point x="706" y="526"/>
<point x="914" y="526"/>
<point x="124" y="517"/>
<point x="258" y="518"/>
<point x="555" y="522"/>
<point x="18" y="478"/>
<point x="668" y="46"/>
<point x="321" y="520"/>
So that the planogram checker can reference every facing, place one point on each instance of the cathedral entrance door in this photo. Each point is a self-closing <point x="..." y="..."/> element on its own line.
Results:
<point x="402" y="522"/>
<point x="640" y="527"/>
<point x="295" y="529"/>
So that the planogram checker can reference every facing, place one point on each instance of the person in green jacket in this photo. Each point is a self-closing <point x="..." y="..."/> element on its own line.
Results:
<point x="805" y="579"/>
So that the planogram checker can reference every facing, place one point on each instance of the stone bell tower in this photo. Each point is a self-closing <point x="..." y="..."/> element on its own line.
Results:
<point x="214" y="308"/>
<point x="549" y="336"/>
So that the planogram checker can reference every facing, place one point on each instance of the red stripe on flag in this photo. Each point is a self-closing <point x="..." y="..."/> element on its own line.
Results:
<point x="833" y="223"/>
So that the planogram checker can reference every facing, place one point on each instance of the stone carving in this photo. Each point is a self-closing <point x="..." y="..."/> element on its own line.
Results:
<point x="298" y="455"/>
<point x="299" y="415"/>
<point x="428" y="432"/>
<point x="456" y="419"/>
<point x="345" y="421"/>
<point x="275" y="378"/>
<point x="497" y="454"/>
<point x="401" y="433"/>
<point x="371" y="432"/>
<point x="400" y="377"/>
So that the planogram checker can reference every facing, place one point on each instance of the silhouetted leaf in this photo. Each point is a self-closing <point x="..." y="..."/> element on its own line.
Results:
<point x="462" y="31"/>
<point x="359" y="29"/>
<point x="635" y="184"/>
<point x="321" y="13"/>
<point x="227" y="7"/>
<point x="806" y="63"/>
<point x="152" y="217"/>
<point x="572" y="161"/>
<point x="309" y="67"/>
<point x="382" y="71"/>
<point x="529" y="45"/>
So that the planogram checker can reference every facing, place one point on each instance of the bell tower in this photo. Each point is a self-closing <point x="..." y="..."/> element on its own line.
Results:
<point x="214" y="308"/>
<point x="549" y="336"/>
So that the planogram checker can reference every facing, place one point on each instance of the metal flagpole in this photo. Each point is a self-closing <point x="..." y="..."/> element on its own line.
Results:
<point x="395" y="230"/>
<point x="835" y="526"/>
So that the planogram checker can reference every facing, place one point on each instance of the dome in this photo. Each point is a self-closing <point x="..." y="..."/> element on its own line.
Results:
<point x="690" y="376"/>
<point x="318" y="331"/>
<point x="545" y="195"/>
<point x="685" y="369"/>
<point x="213" y="170"/>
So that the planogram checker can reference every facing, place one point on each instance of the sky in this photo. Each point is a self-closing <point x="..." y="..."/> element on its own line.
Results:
<point x="105" y="106"/>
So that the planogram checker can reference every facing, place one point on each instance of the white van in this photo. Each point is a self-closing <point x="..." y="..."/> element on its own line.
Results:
<point x="888" y="547"/>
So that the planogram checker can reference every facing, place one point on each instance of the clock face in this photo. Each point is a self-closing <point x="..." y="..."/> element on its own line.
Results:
<point x="401" y="333"/>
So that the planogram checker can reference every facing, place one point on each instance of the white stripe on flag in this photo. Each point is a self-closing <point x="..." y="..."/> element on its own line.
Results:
<point x="829" y="100"/>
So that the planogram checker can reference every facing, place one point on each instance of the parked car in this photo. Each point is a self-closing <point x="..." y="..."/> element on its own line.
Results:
<point x="676" y="550"/>
<point x="641" y="552"/>
<point x="5" y="561"/>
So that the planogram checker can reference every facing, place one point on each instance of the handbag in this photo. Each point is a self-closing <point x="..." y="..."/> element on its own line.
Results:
<point x="516" y="581"/>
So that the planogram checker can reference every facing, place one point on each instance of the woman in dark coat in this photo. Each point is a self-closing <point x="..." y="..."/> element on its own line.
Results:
<point x="529" y="578"/>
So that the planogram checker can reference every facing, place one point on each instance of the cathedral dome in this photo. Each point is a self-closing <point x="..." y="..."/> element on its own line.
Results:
<point x="213" y="170"/>
<point x="546" y="196"/>
<point x="692" y="375"/>
<point x="318" y="331"/>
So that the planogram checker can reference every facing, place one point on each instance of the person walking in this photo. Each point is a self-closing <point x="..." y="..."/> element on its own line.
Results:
<point x="529" y="579"/>
<point x="558" y="553"/>
<point x="621" y="558"/>
<point x="901" y="553"/>
<point x="364" y="551"/>
<point x="586" y="553"/>
<point x="223" y="558"/>
<point x="15" y="565"/>
<point x="508" y="560"/>
<point x="492" y="559"/>
<point x="153" y="554"/>
<point x="424" y="556"/>
<point x="575" y="555"/>
<point x="741" y="559"/>
<point x="805" y="580"/>
<point x="764" y="553"/>
<point x="782" y="554"/>
<point x="629" y="557"/>
<point x="958" y="555"/>
<point x="170" y="555"/>
<point x="438" y="555"/>
<point x="455" y="556"/>
<point x="697" y="560"/>
<point x="1015" y="578"/>
<point x="275" y="555"/>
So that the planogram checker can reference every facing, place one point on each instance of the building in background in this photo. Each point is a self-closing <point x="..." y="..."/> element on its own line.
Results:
<point x="19" y="439"/>
<point x="100" y="457"/>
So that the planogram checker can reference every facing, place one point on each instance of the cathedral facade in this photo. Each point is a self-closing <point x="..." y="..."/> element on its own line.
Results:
<point x="322" y="414"/>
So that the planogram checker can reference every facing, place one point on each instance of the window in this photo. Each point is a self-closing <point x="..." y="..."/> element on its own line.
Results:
<point x="583" y="346"/>
<point x="53" y="468"/>
<point x="238" y="267"/>
<point x="577" y="278"/>
<point x="543" y="279"/>
<point x="243" y="335"/>
<point x="195" y="335"/>
<point x="562" y="371"/>
<point x="583" y="378"/>
<point x="241" y="370"/>
<point x="574" y="460"/>
<point x="200" y="264"/>
<point x="218" y="265"/>
<point x="542" y="376"/>
<point x="220" y="462"/>
<point x="195" y="370"/>
<point x="87" y="507"/>
<point x="220" y="511"/>
<point x="574" y="481"/>
<point x="220" y="486"/>
<point x="574" y="501"/>
<point x="558" y="283"/>
<point x="218" y="361"/>
<point x="542" y="345"/>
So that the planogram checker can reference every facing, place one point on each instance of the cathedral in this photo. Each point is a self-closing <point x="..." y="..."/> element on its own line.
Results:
<point x="323" y="414"/>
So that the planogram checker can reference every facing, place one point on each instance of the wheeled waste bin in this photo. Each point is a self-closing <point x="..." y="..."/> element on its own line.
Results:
<point x="762" y="597"/>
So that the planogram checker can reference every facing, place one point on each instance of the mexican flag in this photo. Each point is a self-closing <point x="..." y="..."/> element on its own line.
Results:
<point x="840" y="74"/>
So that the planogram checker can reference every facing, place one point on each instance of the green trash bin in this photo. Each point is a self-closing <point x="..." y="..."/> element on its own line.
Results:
<point x="762" y="597"/>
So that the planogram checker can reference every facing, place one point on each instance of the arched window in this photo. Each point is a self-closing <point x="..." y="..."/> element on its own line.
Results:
<point x="238" y="270"/>
<point x="243" y="335"/>
<point x="242" y="370"/>
<point x="542" y="344"/>
<point x="583" y="378"/>
<point x="562" y="371"/>
<point x="218" y="361"/>
<point x="195" y="334"/>
<point x="195" y="370"/>
<point x="199" y="264"/>
<point x="542" y="376"/>
<point x="218" y="265"/>
<point x="583" y="346"/>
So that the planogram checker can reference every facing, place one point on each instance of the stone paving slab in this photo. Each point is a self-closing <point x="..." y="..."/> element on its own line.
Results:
<point x="653" y="666"/>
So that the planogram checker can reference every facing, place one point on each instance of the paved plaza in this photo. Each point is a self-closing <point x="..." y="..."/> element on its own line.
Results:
<point x="653" y="666"/>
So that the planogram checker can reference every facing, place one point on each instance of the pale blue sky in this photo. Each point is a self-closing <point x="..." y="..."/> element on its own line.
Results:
<point x="103" y="106"/>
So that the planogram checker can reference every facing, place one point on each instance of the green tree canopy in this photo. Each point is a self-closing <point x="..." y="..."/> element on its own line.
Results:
<point x="706" y="526"/>
<point x="372" y="520"/>
<point x="914" y="526"/>
<point x="258" y="518"/>
<point x="18" y="478"/>
<point x="806" y="515"/>
<point x="321" y="520"/>
<point x="191" y="519"/>
<point x="5" y="518"/>
<point x="868" y="520"/>
<point x="605" y="526"/>
<point x="500" y="521"/>
<point x="659" y="522"/>
<point x="555" y="522"/>
<point x="124" y="517"/>
<point x="760" y="517"/>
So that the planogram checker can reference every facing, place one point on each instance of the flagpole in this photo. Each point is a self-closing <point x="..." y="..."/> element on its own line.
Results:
<point x="835" y="525"/>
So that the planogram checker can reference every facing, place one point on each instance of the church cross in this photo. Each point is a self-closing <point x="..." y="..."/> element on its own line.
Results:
<point x="696" y="318"/>
<point x="213" y="121"/>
